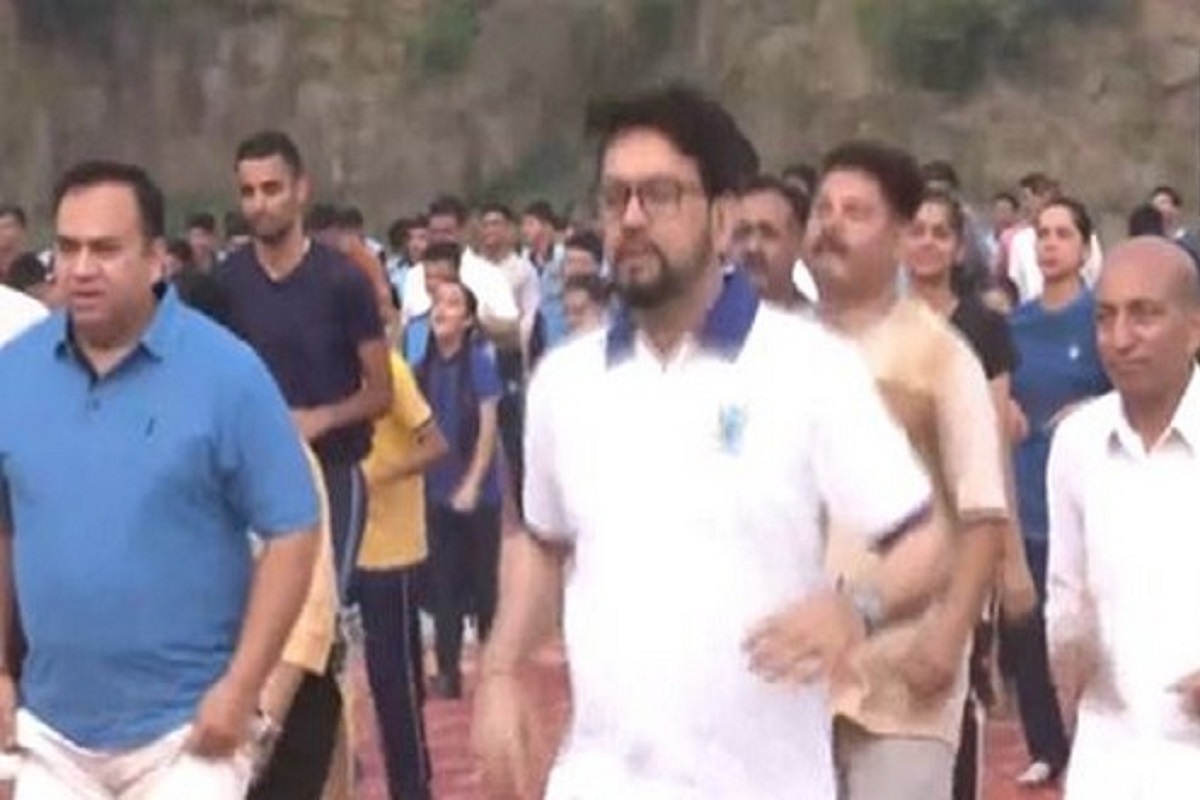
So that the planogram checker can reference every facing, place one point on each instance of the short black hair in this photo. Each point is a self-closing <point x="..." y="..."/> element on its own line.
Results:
<point x="806" y="174"/>
<point x="1169" y="191"/>
<point x="150" y="203"/>
<point x="894" y="169"/>
<point x="1039" y="183"/>
<point x="448" y="252"/>
<point x="419" y="221"/>
<point x="597" y="288"/>
<point x="234" y="224"/>
<point x="496" y="207"/>
<point x="182" y="250"/>
<point x="541" y="210"/>
<point x="1007" y="197"/>
<point x="15" y="211"/>
<point x="1079" y="215"/>
<point x="696" y="125"/>
<point x="203" y="221"/>
<point x="448" y="206"/>
<point x="26" y="272"/>
<point x="940" y="171"/>
<point x="320" y="218"/>
<point x="397" y="232"/>
<point x="587" y="241"/>
<point x="797" y="200"/>
<point x="266" y="144"/>
<point x="1146" y="220"/>
<point x="351" y="217"/>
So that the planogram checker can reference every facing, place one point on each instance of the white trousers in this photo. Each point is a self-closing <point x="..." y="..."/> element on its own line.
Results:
<point x="54" y="768"/>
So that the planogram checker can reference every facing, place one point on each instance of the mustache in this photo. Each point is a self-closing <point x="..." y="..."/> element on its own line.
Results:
<point x="829" y="242"/>
<point x="633" y="248"/>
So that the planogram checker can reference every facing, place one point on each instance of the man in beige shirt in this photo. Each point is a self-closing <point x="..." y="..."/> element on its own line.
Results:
<point x="899" y="700"/>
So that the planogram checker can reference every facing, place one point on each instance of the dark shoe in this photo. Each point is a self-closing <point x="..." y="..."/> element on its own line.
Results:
<point x="447" y="687"/>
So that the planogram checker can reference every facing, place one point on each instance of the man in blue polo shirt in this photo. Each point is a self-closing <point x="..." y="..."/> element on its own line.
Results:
<point x="313" y="317"/>
<point x="138" y="444"/>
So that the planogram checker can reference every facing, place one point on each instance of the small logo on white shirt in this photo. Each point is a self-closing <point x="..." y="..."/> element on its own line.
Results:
<point x="731" y="425"/>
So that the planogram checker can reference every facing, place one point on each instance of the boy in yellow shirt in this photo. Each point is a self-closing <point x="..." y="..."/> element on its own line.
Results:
<point x="406" y="442"/>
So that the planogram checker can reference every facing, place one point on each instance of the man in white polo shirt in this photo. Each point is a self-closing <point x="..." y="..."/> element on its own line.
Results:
<point x="680" y="467"/>
<point x="1123" y="609"/>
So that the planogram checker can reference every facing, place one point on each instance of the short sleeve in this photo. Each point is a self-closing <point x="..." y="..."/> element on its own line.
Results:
<point x="545" y="515"/>
<point x="867" y="474"/>
<point x="410" y="405"/>
<point x="262" y="457"/>
<point x="485" y="373"/>
<point x="988" y="334"/>
<point x="359" y="309"/>
<point x="971" y="457"/>
<point x="997" y="353"/>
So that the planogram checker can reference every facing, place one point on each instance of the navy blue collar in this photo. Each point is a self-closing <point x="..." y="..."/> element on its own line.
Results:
<point x="156" y="340"/>
<point x="724" y="331"/>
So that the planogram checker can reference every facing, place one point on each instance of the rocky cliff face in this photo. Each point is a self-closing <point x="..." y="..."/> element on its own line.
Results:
<point x="393" y="100"/>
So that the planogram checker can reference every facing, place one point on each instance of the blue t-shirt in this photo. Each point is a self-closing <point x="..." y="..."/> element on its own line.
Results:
<point x="1058" y="365"/>
<point x="129" y="498"/>
<point x="445" y="385"/>
<point x="416" y="339"/>
<point x="307" y="328"/>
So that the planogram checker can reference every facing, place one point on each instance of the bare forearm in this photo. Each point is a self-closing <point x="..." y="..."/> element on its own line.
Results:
<point x="979" y="552"/>
<point x="912" y="572"/>
<point x="279" y="589"/>
<point x="485" y="449"/>
<point x="530" y="596"/>
<point x="368" y="403"/>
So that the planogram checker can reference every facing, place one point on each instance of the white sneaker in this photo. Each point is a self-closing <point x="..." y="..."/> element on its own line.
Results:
<point x="1038" y="773"/>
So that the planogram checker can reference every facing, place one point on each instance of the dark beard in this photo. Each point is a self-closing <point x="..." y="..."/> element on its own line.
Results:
<point x="272" y="238"/>
<point x="651" y="296"/>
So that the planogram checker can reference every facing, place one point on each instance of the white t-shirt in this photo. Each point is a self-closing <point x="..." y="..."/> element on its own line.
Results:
<point x="18" y="311"/>
<point x="694" y="495"/>
<point x="485" y="280"/>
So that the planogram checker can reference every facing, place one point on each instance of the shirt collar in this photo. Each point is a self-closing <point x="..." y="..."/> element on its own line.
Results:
<point x="724" y="331"/>
<point x="1185" y="424"/>
<point x="157" y="338"/>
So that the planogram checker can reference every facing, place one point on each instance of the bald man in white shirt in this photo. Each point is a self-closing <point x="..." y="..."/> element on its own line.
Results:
<point x="1124" y="602"/>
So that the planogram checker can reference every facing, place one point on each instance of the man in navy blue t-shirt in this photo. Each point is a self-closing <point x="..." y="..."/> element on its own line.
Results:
<point x="312" y="317"/>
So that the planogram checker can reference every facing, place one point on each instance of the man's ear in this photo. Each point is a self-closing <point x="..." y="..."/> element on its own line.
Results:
<point x="723" y="217"/>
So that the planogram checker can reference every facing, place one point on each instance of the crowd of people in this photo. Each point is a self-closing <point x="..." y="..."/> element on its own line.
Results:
<point x="805" y="470"/>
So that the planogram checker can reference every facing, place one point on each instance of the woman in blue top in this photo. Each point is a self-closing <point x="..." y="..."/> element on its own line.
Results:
<point x="458" y="376"/>
<point x="1059" y="368"/>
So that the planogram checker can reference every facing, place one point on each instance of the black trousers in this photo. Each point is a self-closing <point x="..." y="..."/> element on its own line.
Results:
<point x="510" y="415"/>
<point x="394" y="671"/>
<point x="1045" y="734"/>
<point x="462" y="575"/>
<point x="300" y="765"/>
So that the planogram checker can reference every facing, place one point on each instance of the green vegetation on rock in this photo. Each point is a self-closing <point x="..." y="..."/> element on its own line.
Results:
<point x="443" y="44"/>
<point x="950" y="45"/>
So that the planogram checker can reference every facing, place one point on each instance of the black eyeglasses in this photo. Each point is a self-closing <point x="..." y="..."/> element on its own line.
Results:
<point x="657" y="197"/>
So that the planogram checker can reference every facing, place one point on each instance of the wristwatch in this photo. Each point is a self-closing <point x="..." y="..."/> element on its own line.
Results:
<point x="867" y="602"/>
